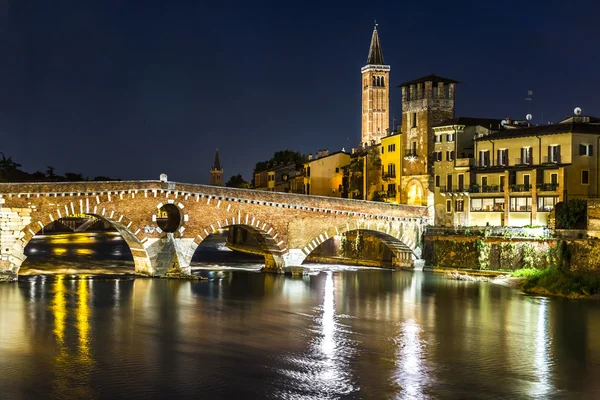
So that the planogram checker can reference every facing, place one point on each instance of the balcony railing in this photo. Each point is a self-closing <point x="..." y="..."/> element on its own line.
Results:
<point x="520" y="188"/>
<point x="547" y="187"/>
<point x="551" y="160"/>
<point x="524" y="161"/>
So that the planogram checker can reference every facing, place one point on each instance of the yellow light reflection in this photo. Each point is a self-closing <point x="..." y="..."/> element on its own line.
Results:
<point x="84" y="252"/>
<point x="59" y="251"/>
<point x="59" y="310"/>
<point x="83" y="323"/>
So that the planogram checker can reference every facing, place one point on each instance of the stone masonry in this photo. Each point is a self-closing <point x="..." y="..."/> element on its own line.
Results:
<point x="288" y="226"/>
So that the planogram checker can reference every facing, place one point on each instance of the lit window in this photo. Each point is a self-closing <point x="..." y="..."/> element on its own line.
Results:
<point x="459" y="206"/>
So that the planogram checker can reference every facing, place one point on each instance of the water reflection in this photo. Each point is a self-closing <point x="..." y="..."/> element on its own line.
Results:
<point x="542" y="362"/>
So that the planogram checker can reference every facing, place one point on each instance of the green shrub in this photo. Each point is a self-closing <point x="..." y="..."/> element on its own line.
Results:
<point x="572" y="214"/>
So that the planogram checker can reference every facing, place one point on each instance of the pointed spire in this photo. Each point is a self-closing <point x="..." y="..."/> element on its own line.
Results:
<point x="375" y="51"/>
<point x="217" y="164"/>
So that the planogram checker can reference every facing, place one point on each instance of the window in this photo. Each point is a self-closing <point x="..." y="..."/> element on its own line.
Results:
<point x="484" y="181"/>
<point x="337" y="170"/>
<point x="546" y="204"/>
<point x="526" y="156"/>
<point x="307" y="172"/>
<point x="554" y="179"/>
<point x="450" y="155"/>
<point x="448" y="206"/>
<point x="554" y="153"/>
<point x="437" y="181"/>
<point x="484" y="158"/>
<point x="392" y="170"/>
<point x="391" y="147"/>
<point x="382" y="150"/>
<point x="391" y="190"/>
<point x="586" y="150"/>
<point x="413" y="147"/>
<point x="461" y="182"/>
<point x="438" y="138"/>
<point x="493" y="204"/>
<point x="526" y="181"/>
<point x="502" y="183"/>
<point x="520" y="204"/>
<point x="459" y="206"/>
<point x="450" y="137"/>
<point x="413" y="120"/>
<point x="449" y="182"/>
<point x="503" y="157"/>
<point x="585" y="177"/>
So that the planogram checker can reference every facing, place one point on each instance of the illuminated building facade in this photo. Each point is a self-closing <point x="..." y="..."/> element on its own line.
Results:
<point x="216" y="172"/>
<point x="391" y="168"/>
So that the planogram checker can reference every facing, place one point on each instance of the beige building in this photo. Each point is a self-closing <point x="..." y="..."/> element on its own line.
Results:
<point x="323" y="175"/>
<point x="375" y="94"/>
<point x="520" y="173"/>
<point x="453" y="157"/>
<point x="425" y="102"/>
<point x="391" y="168"/>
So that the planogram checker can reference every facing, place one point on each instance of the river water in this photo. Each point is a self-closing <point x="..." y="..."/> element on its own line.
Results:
<point x="338" y="333"/>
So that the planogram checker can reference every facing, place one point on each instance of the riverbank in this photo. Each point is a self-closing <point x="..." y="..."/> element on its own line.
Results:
<point x="554" y="282"/>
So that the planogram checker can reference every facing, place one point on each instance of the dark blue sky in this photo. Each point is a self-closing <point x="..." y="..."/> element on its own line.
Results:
<point x="135" y="88"/>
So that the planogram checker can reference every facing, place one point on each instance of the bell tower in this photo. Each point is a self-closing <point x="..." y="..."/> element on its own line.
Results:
<point x="216" y="172"/>
<point x="375" y="94"/>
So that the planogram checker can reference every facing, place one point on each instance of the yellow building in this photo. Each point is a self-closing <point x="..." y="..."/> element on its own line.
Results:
<point x="391" y="168"/>
<point x="323" y="175"/>
<point x="453" y="156"/>
<point x="520" y="173"/>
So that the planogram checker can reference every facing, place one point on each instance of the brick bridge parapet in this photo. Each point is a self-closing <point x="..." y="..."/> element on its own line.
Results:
<point x="288" y="226"/>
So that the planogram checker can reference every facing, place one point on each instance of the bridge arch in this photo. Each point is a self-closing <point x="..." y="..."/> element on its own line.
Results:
<point x="270" y="240"/>
<point x="400" y="237"/>
<point x="125" y="226"/>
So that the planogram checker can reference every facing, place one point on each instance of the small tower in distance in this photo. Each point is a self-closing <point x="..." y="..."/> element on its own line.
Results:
<point x="375" y="94"/>
<point x="216" y="172"/>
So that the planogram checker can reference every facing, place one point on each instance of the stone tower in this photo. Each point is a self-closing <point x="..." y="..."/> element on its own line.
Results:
<point x="425" y="102"/>
<point x="216" y="172"/>
<point x="375" y="94"/>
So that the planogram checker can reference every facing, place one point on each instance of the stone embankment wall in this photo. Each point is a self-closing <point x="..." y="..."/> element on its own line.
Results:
<point x="497" y="253"/>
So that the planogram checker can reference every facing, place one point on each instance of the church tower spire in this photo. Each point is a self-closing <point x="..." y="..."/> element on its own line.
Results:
<point x="216" y="172"/>
<point x="375" y="94"/>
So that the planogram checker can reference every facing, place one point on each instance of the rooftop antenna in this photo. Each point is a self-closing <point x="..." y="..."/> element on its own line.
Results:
<point x="528" y="100"/>
<point x="577" y="111"/>
<point x="529" y="117"/>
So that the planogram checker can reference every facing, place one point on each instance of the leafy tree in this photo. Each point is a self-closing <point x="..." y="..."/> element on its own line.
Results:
<point x="73" y="177"/>
<point x="38" y="176"/>
<point x="104" y="178"/>
<point x="237" y="181"/>
<point x="572" y="214"/>
<point x="8" y="163"/>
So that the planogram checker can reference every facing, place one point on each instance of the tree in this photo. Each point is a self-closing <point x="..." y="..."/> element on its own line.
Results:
<point x="73" y="177"/>
<point x="237" y="181"/>
<point x="50" y="172"/>
<point x="8" y="163"/>
<point x="571" y="214"/>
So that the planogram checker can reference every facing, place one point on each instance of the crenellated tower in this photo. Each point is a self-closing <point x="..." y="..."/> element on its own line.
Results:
<point x="375" y="94"/>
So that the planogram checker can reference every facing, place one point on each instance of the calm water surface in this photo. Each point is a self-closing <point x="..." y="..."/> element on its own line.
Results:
<point x="339" y="333"/>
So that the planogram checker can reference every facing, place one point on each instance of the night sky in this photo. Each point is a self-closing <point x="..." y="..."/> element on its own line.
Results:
<point x="131" y="89"/>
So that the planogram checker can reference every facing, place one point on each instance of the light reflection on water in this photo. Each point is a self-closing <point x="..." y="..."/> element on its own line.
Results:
<point x="339" y="333"/>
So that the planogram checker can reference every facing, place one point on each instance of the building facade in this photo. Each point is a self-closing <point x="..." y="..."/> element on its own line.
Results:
<point x="323" y="176"/>
<point x="453" y="158"/>
<point x="391" y="168"/>
<point x="426" y="102"/>
<point x="375" y="94"/>
<point x="519" y="174"/>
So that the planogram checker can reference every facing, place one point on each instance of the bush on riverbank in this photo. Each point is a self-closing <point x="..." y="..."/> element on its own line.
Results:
<point x="553" y="281"/>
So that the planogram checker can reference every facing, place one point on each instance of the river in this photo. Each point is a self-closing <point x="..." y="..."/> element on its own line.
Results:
<point x="339" y="333"/>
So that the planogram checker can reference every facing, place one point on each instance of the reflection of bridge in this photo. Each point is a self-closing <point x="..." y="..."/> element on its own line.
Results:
<point x="288" y="226"/>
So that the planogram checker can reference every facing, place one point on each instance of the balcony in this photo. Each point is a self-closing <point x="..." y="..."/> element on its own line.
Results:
<point x="524" y="161"/>
<point x="454" y="189"/>
<point x="555" y="159"/>
<point x="547" y="187"/>
<point x="463" y="162"/>
<point x="520" y="188"/>
<point x="486" y="189"/>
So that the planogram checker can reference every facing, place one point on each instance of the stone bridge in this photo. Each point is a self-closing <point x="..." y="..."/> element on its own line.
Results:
<point x="288" y="226"/>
